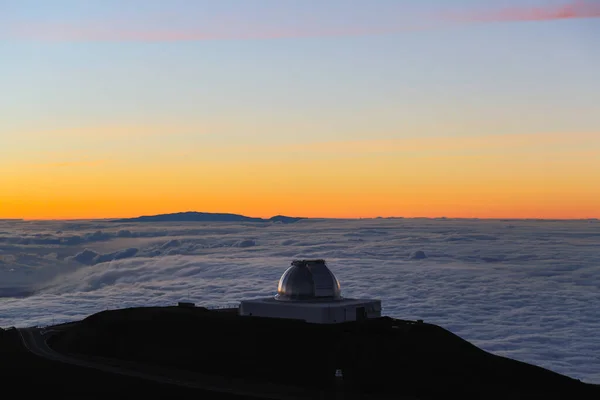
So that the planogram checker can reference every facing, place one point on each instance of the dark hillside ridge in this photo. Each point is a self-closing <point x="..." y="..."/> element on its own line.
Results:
<point x="34" y="377"/>
<point x="192" y="216"/>
<point x="379" y="356"/>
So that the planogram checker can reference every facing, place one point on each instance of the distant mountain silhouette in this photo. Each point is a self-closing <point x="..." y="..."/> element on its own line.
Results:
<point x="192" y="216"/>
<point x="284" y="219"/>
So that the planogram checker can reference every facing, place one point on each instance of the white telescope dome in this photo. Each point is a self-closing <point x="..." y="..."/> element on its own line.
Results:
<point x="308" y="280"/>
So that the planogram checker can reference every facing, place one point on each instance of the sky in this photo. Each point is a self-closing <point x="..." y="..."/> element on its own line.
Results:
<point x="469" y="108"/>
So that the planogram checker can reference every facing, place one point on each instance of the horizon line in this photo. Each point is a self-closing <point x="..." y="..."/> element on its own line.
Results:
<point x="313" y="218"/>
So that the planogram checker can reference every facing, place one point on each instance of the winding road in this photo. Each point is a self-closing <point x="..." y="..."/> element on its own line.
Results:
<point x="35" y="342"/>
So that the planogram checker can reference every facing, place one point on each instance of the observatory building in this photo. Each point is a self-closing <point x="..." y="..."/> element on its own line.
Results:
<point x="309" y="291"/>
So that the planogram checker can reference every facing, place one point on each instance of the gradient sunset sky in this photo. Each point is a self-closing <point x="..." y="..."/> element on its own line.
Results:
<point x="318" y="108"/>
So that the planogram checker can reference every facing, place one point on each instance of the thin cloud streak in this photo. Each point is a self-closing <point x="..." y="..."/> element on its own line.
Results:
<point x="73" y="33"/>
<point x="65" y="164"/>
<point x="571" y="10"/>
<point x="114" y="132"/>
<point x="436" y="143"/>
<point x="111" y="32"/>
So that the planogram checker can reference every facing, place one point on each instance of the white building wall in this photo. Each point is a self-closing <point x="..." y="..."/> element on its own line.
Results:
<point x="282" y="310"/>
<point x="323" y="313"/>
<point x="336" y="315"/>
<point x="370" y="309"/>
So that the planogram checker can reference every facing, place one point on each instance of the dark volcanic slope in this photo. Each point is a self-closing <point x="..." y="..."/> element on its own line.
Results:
<point x="25" y="375"/>
<point x="192" y="216"/>
<point x="384" y="355"/>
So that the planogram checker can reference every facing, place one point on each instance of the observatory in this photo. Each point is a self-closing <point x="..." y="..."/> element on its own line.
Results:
<point x="309" y="291"/>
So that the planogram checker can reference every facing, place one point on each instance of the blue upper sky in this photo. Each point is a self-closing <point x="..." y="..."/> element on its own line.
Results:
<point x="489" y="70"/>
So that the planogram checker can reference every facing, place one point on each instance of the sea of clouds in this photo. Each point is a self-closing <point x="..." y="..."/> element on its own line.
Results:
<point x="529" y="290"/>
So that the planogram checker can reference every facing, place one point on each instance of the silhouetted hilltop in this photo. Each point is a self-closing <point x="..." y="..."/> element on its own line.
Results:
<point x="285" y="220"/>
<point x="382" y="356"/>
<point x="193" y="216"/>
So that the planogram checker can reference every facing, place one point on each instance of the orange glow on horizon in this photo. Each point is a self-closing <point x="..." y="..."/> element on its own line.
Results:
<point x="467" y="201"/>
<point x="500" y="176"/>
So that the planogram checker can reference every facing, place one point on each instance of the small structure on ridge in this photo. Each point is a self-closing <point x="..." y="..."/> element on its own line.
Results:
<point x="309" y="291"/>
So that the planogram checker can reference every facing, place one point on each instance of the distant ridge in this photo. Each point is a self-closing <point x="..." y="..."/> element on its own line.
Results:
<point x="192" y="216"/>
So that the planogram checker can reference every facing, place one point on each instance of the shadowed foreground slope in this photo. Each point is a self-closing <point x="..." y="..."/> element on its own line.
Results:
<point x="29" y="375"/>
<point x="386" y="356"/>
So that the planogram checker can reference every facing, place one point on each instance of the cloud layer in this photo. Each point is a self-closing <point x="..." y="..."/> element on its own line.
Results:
<point x="114" y="31"/>
<point x="525" y="289"/>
